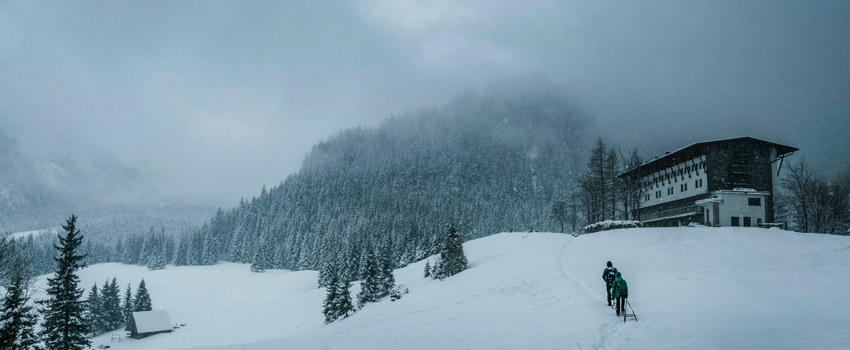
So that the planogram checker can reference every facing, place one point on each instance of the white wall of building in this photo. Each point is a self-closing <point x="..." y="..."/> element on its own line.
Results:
<point x="737" y="204"/>
<point x="680" y="181"/>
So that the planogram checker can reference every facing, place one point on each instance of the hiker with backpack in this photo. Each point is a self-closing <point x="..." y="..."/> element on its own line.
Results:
<point x="609" y="275"/>
<point x="620" y="292"/>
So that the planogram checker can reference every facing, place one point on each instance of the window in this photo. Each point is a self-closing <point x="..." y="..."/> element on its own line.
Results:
<point x="756" y="202"/>
<point x="735" y="221"/>
<point x="758" y="221"/>
<point x="747" y="221"/>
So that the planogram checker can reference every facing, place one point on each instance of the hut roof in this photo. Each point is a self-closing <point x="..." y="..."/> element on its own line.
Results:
<point x="151" y="321"/>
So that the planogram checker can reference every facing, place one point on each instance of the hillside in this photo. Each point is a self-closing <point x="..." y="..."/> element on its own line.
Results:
<point x="485" y="164"/>
<point x="696" y="288"/>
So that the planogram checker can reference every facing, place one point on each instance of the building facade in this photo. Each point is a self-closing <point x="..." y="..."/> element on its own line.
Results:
<point x="726" y="182"/>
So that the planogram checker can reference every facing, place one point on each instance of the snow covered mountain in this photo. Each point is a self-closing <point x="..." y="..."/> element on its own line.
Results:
<point x="692" y="288"/>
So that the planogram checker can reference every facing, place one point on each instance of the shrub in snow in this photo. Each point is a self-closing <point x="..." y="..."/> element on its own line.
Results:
<point x="396" y="294"/>
<point x="611" y="225"/>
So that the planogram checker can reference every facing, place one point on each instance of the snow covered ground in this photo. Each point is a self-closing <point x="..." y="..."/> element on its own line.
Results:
<point x="692" y="288"/>
<point x="26" y="234"/>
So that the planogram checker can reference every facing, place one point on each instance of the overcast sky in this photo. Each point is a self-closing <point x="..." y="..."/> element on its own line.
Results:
<point x="211" y="100"/>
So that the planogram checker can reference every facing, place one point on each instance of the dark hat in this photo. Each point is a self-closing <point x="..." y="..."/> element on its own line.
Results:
<point x="609" y="264"/>
<point x="618" y="274"/>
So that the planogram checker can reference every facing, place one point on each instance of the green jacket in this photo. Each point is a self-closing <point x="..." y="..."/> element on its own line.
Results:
<point x="620" y="289"/>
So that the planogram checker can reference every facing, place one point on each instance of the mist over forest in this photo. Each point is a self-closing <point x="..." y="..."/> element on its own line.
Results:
<point x="41" y="192"/>
<point x="484" y="163"/>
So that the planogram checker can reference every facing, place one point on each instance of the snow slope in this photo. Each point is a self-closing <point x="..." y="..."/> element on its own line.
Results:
<point x="697" y="288"/>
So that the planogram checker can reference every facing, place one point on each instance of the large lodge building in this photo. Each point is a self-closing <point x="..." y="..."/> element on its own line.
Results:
<point x="727" y="182"/>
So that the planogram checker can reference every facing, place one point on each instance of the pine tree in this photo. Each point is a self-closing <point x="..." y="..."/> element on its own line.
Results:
<point x="346" y="269"/>
<point x="127" y="306"/>
<point x="180" y="253"/>
<point x="338" y="300"/>
<point x="64" y="327"/>
<point x="343" y="304"/>
<point x="209" y="255"/>
<point x="327" y="273"/>
<point x="17" y="319"/>
<point x="149" y="248"/>
<point x="94" y="313"/>
<point x="155" y="251"/>
<point x="143" y="299"/>
<point x="329" y="306"/>
<point x="263" y="257"/>
<point x="452" y="258"/>
<point x="428" y="268"/>
<point x="370" y="283"/>
<point x="386" y="278"/>
<point x="111" y="299"/>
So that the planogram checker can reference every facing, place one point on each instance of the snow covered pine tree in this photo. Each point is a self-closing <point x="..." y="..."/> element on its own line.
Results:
<point x="329" y="306"/>
<point x="142" y="302"/>
<point x="342" y="304"/>
<point x="127" y="306"/>
<point x="452" y="258"/>
<point x="94" y="312"/>
<point x="370" y="285"/>
<point x="111" y="299"/>
<point x="64" y="327"/>
<point x="17" y="320"/>
<point x="338" y="300"/>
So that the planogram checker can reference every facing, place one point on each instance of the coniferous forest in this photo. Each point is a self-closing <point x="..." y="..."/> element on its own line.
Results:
<point x="483" y="164"/>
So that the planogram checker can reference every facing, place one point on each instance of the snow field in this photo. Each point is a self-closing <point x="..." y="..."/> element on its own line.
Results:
<point x="705" y="288"/>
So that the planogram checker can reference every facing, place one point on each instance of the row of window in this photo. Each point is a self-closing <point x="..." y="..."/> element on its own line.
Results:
<point x="682" y="188"/>
<point x="736" y="221"/>
<point x="674" y="176"/>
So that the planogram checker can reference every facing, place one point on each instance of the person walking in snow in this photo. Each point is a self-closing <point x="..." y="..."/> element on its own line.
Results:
<point x="609" y="274"/>
<point x="620" y="291"/>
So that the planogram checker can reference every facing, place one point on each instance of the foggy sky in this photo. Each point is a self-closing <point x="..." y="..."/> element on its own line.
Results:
<point x="212" y="100"/>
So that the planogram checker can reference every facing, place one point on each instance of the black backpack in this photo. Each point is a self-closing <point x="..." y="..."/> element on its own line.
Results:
<point x="610" y="274"/>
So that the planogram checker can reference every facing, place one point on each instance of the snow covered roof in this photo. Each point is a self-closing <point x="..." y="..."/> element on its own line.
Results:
<point x="151" y="321"/>
<point x="690" y="150"/>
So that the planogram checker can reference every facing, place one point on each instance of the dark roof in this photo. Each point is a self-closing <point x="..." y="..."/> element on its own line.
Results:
<point x="697" y="149"/>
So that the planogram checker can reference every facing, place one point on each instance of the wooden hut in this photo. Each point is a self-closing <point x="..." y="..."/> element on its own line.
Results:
<point x="147" y="323"/>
